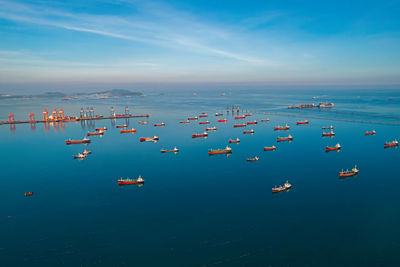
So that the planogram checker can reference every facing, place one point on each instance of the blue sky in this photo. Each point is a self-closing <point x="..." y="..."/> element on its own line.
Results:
<point x="265" y="42"/>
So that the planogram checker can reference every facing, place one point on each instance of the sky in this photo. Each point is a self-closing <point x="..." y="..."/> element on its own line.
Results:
<point x="83" y="43"/>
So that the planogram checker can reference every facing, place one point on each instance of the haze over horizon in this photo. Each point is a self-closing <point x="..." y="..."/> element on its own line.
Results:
<point x="112" y="44"/>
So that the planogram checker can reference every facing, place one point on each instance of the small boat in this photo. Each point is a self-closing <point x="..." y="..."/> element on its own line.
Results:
<point x="333" y="148"/>
<point x="218" y="114"/>
<point x="79" y="156"/>
<point x="265" y="120"/>
<point x="83" y="141"/>
<point x="122" y="126"/>
<point x="269" y="148"/>
<point x="253" y="159"/>
<point x="279" y="128"/>
<point x="205" y="134"/>
<point x="327" y="127"/>
<point x="175" y="150"/>
<point x="249" y="132"/>
<point x="302" y="122"/>
<point x="331" y="133"/>
<point x="147" y="139"/>
<point x="237" y="141"/>
<point x="373" y="132"/>
<point x="160" y="124"/>
<point x="239" y="125"/>
<point x="248" y="115"/>
<point x="133" y="130"/>
<point x="222" y="120"/>
<point x="211" y="129"/>
<point x="204" y="122"/>
<point x="240" y="117"/>
<point x="143" y="122"/>
<point x="192" y="118"/>
<point x="348" y="173"/>
<point x="95" y="133"/>
<point x="203" y="116"/>
<point x="281" y="188"/>
<point x="252" y="122"/>
<point x="289" y="138"/>
<point x="394" y="143"/>
<point x="86" y="152"/>
<point x="187" y="121"/>
<point x="128" y="181"/>
<point x="226" y="150"/>
<point x="28" y="194"/>
<point x="101" y="129"/>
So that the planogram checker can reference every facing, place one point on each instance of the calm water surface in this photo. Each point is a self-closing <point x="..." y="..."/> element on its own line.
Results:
<point x="197" y="210"/>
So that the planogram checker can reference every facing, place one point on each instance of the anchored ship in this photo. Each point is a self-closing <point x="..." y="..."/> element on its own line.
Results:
<point x="239" y="125"/>
<point x="222" y="120"/>
<point x="302" y="122"/>
<point x="240" y="117"/>
<point x="278" y="128"/>
<point x="253" y="159"/>
<point x="234" y="141"/>
<point x="205" y="134"/>
<point x="348" y="173"/>
<point x="394" y="143"/>
<point x="289" y="138"/>
<point x="370" y="133"/>
<point x="252" y="122"/>
<point x="265" y="120"/>
<point x="269" y="148"/>
<point x="192" y="118"/>
<point x="331" y="133"/>
<point x="211" y="128"/>
<point x="101" y="129"/>
<point x="133" y="130"/>
<point x="175" y="150"/>
<point x="204" y="122"/>
<point x="218" y="114"/>
<point x="122" y="126"/>
<point x="83" y="141"/>
<point x="147" y="139"/>
<point x="249" y="132"/>
<point x="128" y="181"/>
<point x="203" y="116"/>
<point x="160" y="124"/>
<point x="281" y="188"/>
<point x="332" y="148"/>
<point x="327" y="127"/>
<point x="226" y="150"/>
<point x="187" y="121"/>
<point x="95" y="133"/>
<point x="143" y="122"/>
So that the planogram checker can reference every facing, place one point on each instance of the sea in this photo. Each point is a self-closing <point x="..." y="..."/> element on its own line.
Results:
<point x="201" y="210"/>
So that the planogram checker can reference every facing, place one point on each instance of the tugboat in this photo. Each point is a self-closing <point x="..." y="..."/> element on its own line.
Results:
<point x="160" y="124"/>
<point x="370" y="133"/>
<point x="203" y="116"/>
<point x="269" y="148"/>
<point x="211" y="128"/>
<point x="147" y="139"/>
<point x="192" y="118"/>
<point x="249" y="132"/>
<point x="95" y="133"/>
<point x="265" y="120"/>
<point x="222" y="120"/>
<point x="237" y="141"/>
<point x="204" y="122"/>
<point x="279" y="128"/>
<point x="289" y="138"/>
<point x="239" y="125"/>
<point x="128" y="181"/>
<point x="143" y="122"/>
<point x="218" y="114"/>
<point x="327" y="128"/>
<point x="28" y="194"/>
<point x="348" y="173"/>
<point x="187" y="121"/>
<point x="302" y="122"/>
<point x="281" y="188"/>
<point x="252" y="122"/>
<point x="79" y="156"/>
<point x="101" y="129"/>
<point x="83" y="141"/>
<point x="394" y="143"/>
<point x="331" y="133"/>
<point x="240" y="117"/>
<point x="205" y="134"/>
<point x="175" y="150"/>
<point x="122" y="126"/>
<point x="133" y="130"/>
<point x="253" y="159"/>
<point x="337" y="147"/>
<point x="226" y="150"/>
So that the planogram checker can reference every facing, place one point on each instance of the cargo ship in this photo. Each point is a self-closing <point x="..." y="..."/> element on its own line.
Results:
<point x="175" y="150"/>
<point x="269" y="148"/>
<point x="222" y="120"/>
<point x="252" y="122"/>
<point x="147" y="139"/>
<point x="348" y="173"/>
<point x="203" y="116"/>
<point x="205" y="134"/>
<point x="370" y="133"/>
<point x="394" y="143"/>
<point x="218" y="114"/>
<point x="160" y="124"/>
<point x="133" y="130"/>
<point x="143" y="122"/>
<point x="327" y="128"/>
<point x="28" y="194"/>
<point x="122" y="126"/>
<point x="281" y="188"/>
<point x="265" y="120"/>
<point x="83" y="141"/>
<point x="248" y="115"/>
<point x="292" y="107"/>
<point x="281" y="139"/>
<point x="192" y="118"/>
<point x="237" y="141"/>
<point x="211" y="129"/>
<point x="333" y="148"/>
<point x="326" y="105"/>
<point x="240" y="117"/>
<point x="226" y="150"/>
<point x="331" y="133"/>
<point x="204" y="122"/>
<point x="239" y="125"/>
<point x="101" y="129"/>
<point x="302" y="122"/>
<point x="187" y="121"/>
<point x="253" y="159"/>
<point x="128" y="181"/>
<point x="279" y="128"/>
<point x="249" y="132"/>
<point x="95" y="133"/>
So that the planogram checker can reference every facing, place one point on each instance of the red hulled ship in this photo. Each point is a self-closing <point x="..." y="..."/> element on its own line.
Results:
<point x="237" y="141"/>
<point x="331" y="133"/>
<point x="160" y="124"/>
<point x="249" y="132"/>
<point x="279" y="128"/>
<point x="239" y="125"/>
<point x="83" y="141"/>
<point x="204" y="122"/>
<point x="222" y="120"/>
<point x="205" y="134"/>
<point x="348" y="173"/>
<point x="281" y="188"/>
<point x="269" y="148"/>
<point x="122" y="126"/>
<point x="128" y="181"/>
<point x="226" y="150"/>
<point x="302" y="122"/>
<point x="370" y="133"/>
<point x="95" y="133"/>
<point x="101" y="129"/>
<point x="211" y="129"/>
<point x="333" y="148"/>
<point x="281" y="139"/>
<point x="133" y="130"/>
<point x="147" y="139"/>
<point x="394" y="143"/>
<point x="240" y="117"/>
<point x="252" y="122"/>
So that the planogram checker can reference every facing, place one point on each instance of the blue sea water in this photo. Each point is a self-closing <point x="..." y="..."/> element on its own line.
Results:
<point x="197" y="210"/>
